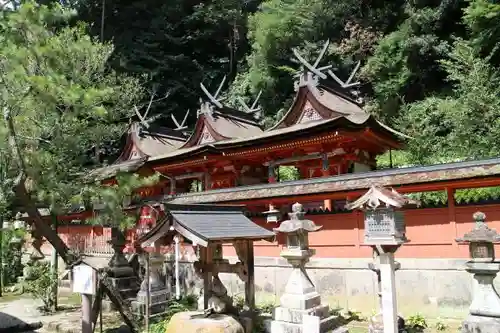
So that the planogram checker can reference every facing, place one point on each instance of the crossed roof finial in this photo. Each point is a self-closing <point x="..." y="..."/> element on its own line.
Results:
<point x="143" y="118"/>
<point x="182" y="125"/>
<point x="318" y="71"/>
<point x="213" y="97"/>
<point x="254" y="108"/>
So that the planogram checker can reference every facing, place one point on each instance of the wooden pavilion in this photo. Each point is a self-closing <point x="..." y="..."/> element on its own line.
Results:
<point x="209" y="227"/>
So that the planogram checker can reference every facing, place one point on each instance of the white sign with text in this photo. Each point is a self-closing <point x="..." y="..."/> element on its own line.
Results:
<point x="84" y="279"/>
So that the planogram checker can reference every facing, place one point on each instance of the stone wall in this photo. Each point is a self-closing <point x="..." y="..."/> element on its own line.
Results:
<point x="431" y="287"/>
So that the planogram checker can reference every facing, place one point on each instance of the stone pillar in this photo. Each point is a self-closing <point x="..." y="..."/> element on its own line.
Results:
<point x="300" y="301"/>
<point x="376" y="322"/>
<point x="484" y="311"/>
<point x="121" y="273"/>
<point x="157" y="289"/>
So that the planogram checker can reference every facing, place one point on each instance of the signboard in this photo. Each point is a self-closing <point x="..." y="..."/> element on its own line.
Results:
<point x="84" y="279"/>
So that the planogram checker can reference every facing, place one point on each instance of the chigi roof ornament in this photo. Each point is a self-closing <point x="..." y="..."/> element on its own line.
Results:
<point x="143" y="118"/>
<point x="310" y="73"/>
<point x="254" y="108"/>
<point x="182" y="125"/>
<point x="213" y="98"/>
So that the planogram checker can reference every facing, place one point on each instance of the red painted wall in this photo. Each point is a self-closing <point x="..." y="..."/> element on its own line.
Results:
<point x="432" y="234"/>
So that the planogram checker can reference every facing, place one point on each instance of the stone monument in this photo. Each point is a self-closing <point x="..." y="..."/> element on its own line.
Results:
<point x="300" y="305"/>
<point x="484" y="311"/>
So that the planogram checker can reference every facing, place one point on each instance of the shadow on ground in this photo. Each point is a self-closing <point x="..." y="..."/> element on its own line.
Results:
<point x="11" y="324"/>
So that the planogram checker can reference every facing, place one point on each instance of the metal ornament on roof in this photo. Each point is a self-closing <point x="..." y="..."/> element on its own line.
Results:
<point x="313" y="68"/>
<point x="143" y="118"/>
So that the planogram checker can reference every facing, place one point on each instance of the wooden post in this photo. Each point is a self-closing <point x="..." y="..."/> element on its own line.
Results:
<point x="172" y="186"/>
<point x="452" y="216"/>
<point x="206" y="259"/>
<point x="271" y="173"/>
<point x="250" y="284"/>
<point x="86" y="313"/>
<point x="54" y="268"/>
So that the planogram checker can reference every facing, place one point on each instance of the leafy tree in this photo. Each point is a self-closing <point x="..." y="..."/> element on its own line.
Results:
<point x="405" y="65"/>
<point x="483" y="19"/>
<point x="62" y="106"/>
<point x="464" y="124"/>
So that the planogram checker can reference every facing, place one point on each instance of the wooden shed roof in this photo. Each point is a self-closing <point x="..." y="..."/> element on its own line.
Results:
<point x="203" y="224"/>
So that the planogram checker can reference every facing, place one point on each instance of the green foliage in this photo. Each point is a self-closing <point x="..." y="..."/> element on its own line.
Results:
<point x="12" y="255"/>
<point x="187" y="303"/>
<point x="464" y="124"/>
<point x="177" y="44"/>
<point x="416" y="323"/>
<point x="483" y="19"/>
<point x="112" y="199"/>
<point x="41" y="282"/>
<point x="440" y="326"/>
<point x="287" y="173"/>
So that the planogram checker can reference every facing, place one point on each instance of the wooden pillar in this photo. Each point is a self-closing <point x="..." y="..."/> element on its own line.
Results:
<point x="325" y="169"/>
<point x="172" y="186"/>
<point x="271" y="173"/>
<point x="250" y="284"/>
<point x="452" y="216"/>
<point x="206" y="260"/>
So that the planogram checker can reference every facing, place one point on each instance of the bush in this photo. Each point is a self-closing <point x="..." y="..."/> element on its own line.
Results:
<point x="41" y="282"/>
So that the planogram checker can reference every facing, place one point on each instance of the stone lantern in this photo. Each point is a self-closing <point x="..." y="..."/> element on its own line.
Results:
<point x="385" y="232"/>
<point x="480" y="240"/>
<point x="300" y="305"/>
<point x="384" y="223"/>
<point x="484" y="311"/>
<point x="273" y="215"/>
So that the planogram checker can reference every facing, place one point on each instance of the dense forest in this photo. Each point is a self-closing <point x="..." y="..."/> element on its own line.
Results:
<point x="72" y="73"/>
<point x="428" y="68"/>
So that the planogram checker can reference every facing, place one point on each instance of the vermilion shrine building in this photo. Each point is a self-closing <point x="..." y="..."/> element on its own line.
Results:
<point x="333" y="143"/>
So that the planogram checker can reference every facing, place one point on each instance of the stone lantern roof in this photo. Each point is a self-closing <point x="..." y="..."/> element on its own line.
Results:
<point x="481" y="232"/>
<point x="297" y="222"/>
<point x="377" y="196"/>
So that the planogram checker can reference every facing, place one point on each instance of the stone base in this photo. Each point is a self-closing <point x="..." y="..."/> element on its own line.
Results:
<point x="193" y="322"/>
<point x="477" y="324"/>
<point x="325" y="325"/>
<point x="157" y="296"/>
<point x="296" y="316"/>
<point x="377" y="324"/>
<point x="301" y="301"/>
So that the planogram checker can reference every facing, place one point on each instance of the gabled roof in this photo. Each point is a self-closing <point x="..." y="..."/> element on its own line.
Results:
<point x="149" y="142"/>
<point x="219" y="124"/>
<point x="314" y="102"/>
